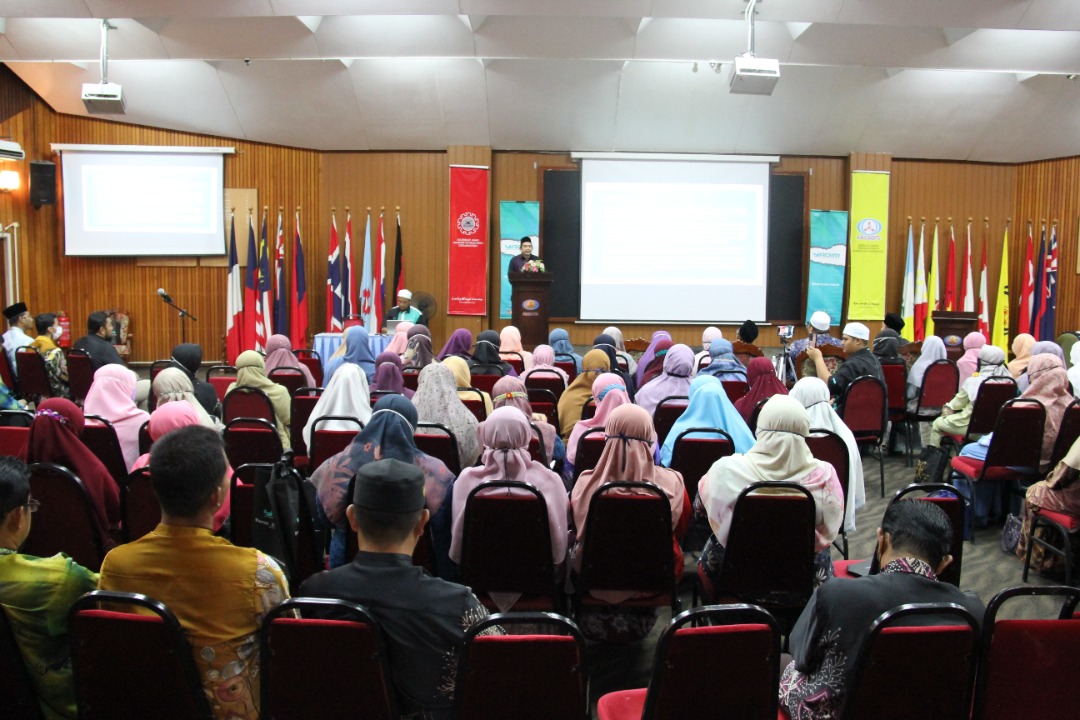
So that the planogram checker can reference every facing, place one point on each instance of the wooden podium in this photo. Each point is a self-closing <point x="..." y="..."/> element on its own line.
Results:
<point x="531" y="306"/>
<point x="952" y="327"/>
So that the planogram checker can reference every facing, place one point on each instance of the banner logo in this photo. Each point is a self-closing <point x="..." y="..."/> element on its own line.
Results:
<point x="468" y="223"/>
<point x="869" y="229"/>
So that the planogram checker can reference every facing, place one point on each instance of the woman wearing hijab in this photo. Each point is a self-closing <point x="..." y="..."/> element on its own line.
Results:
<point x="400" y="340"/>
<point x="418" y="329"/>
<point x="648" y="355"/>
<point x="250" y="372"/>
<point x="886" y="347"/>
<point x="813" y="393"/>
<point x="969" y="363"/>
<point x="606" y="343"/>
<point x="279" y="354"/>
<point x="709" y="407"/>
<point x="628" y="455"/>
<point x="674" y="380"/>
<point x="388" y="357"/>
<point x="388" y="434"/>
<point x="933" y="349"/>
<point x="1059" y="492"/>
<point x="169" y="417"/>
<point x="1043" y="347"/>
<point x="463" y="379"/>
<point x="956" y="414"/>
<point x="172" y="385"/>
<point x="707" y="336"/>
<point x="1066" y="341"/>
<point x="355" y="350"/>
<point x="111" y="396"/>
<point x="573" y="399"/>
<point x="188" y="357"/>
<point x="1021" y="348"/>
<point x="436" y="401"/>
<point x="780" y="454"/>
<point x="346" y="396"/>
<point x="505" y="437"/>
<point x="761" y="375"/>
<point x="418" y="351"/>
<point x="1074" y="369"/>
<point x="511" y="392"/>
<point x="459" y="344"/>
<point x="544" y="360"/>
<point x="654" y="368"/>
<point x="724" y="365"/>
<point x="620" y="348"/>
<point x="388" y="379"/>
<point x="510" y="342"/>
<point x="54" y="438"/>
<point x="559" y="340"/>
<point x="609" y="392"/>
<point x="486" y="353"/>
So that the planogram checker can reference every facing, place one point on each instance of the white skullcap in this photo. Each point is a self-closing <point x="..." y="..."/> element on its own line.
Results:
<point x="405" y="294"/>
<point x="857" y="330"/>
<point x="820" y="321"/>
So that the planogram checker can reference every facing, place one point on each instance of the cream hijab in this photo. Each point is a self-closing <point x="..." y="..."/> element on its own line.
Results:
<point x="173" y="385"/>
<point x="251" y="372"/>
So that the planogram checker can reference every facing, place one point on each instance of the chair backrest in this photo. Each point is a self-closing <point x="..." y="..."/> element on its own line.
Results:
<point x="251" y="440"/>
<point x="754" y="414"/>
<point x="545" y="380"/>
<point x="327" y="443"/>
<point x="99" y="436"/>
<point x="994" y="392"/>
<point x="588" y="410"/>
<point x="242" y="501"/>
<point x="939" y="385"/>
<point x="545" y="401"/>
<point x="704" y="361"/>
<point x="866" y="407"/>
<point x="311" y="360"/>
<point x="140" y="511"/>
<point x="155" y="368"/>
<point x="828" y="446"/>
<point x="7" y="374"/>
<point x="537" y="451"/>
<point x="506" y="541"/>
<point x="132" y="663"/>
<point x="33" y="377"/>
<point x="20" y="699"/>
<point x="1067" y="433"/>
<point x="735" y="389"/>
<point x="80" y="374"/>
<point x="145" y="441"/>
<point x="567" y="365"/>
<point x="832" y="356"/>
<point x="954" y="507"/>
<point x="247" y="402"/>
<point x="490" y="684"/>
<point x="895" y="376"/>
<point x="439" y="441"/>
<point x="289" y="378"/>
<point x="1017" y="441"/>
<point x="769" y="556"/>
<point x="693" y="456"/>
<point x="65" y="522"/>
<point x="302" y="405"/>
<point x="716" y="657"/>
<point x="515" y="359"/>
<point x="221" y="377"/>
<point x="329" y="662"/>
<point x="933" y="647"/>
<point x="667" y="412"/>
<point x="12" y="440"/>
<point x="411" y="376"/>
<point x="590" y="446"/>
<point x="1019" y="655"/>
<point x="628" y="541"/>
<point x="16" y="418"/>
<point x="474" y="402"/>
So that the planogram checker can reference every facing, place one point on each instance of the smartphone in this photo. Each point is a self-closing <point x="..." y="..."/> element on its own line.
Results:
<point x="785" y="331"/>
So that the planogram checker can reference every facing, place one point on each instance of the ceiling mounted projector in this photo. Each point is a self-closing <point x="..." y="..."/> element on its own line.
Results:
<point x="754" y="76"/>
<point x="103" y="98"/>
<point x="11" y="150"/>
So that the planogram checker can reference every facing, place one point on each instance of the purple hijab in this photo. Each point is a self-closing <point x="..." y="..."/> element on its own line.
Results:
<point x="388" y="378"/>
<point x="675" y="380"/>
<point x="387" y="357"/>
<point x="650" y="353"/>
<point x="460" y="343"/>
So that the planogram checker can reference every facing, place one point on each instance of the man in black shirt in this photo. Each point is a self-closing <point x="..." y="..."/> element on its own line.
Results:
<point x="99" y="328"/>
<point x="526" y="255"/>
<point x="860" y="361"/>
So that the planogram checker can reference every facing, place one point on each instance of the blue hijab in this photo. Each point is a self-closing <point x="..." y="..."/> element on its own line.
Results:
<point x="724" y="365"/>
<point x="709" y="407"/>
<point x="356" y="352"/>
<point x="559" y="340"/>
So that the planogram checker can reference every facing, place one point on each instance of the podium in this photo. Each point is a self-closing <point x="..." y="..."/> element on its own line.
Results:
<point x="530" y="305"/>
<point x="952" y="327"/>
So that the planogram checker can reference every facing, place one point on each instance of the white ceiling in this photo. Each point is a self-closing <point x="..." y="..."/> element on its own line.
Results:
<point x="983" y="80"/>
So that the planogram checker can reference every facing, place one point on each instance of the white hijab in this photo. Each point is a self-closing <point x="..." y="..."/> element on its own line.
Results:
<point x="1074" y="368"/>
<point x="933" y="349"/>
<point x="347" y="395"/>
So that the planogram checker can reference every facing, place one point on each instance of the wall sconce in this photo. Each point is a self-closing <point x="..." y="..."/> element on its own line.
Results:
<point x="9" y="180"/>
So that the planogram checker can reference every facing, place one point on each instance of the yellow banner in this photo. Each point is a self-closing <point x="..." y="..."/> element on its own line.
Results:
<point x="868" y="244"/>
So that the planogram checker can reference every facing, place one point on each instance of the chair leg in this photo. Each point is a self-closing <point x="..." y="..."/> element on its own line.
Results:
<point x="881" y="471"/>
<point x="1030" y="545"/>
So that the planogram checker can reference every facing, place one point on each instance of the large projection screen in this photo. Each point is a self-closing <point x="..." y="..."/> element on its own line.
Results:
<point x="142" y="201"/>
<point x="673" y="240"/>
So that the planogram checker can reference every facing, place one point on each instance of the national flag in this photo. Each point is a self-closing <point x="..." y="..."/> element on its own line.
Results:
<point x="367" y="291"/>
<point x="967" y="299"/>
<point x="933" y="285"/>
<point x="907" y="298"/>
<point x="234" y="301"/>
<point x="349" y="304"/>
<point x="264" y="322"/>
<point x="333" y="281"/>
<point x="399" y="262"/>
<point x="1049" y="314"/>
<point x="281" y="300"/>
<point x="1000" y="331"/>
<point x="380" y="273"/>
<point x="251" y="286"/>
<point x="1027" y="287"/>
<point x="299" y="326"/>
<point x="984" y="305"/>
<point x="949" y="302"/>
<point x="919" y="333"/>
<point x="1038" y="294"/>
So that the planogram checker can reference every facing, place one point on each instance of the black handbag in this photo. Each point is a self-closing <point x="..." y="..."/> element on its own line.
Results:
<point x="285" y="526"/>
<point x="931" y="465"/>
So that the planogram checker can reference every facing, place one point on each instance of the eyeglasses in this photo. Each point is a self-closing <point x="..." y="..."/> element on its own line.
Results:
<point x="33" y="504"/>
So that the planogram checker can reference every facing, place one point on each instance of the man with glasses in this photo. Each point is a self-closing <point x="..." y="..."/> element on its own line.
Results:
<point x="36" y="594"/>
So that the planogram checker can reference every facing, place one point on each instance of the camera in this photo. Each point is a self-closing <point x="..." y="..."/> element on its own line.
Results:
<point x="786" y="332"/>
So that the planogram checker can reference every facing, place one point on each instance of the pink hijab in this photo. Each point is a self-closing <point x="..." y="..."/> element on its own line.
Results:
<point x="544" y="359"/>
<point x="511" y="391"/>
<point x="969" y="363"/>
<point x="112" y="396"/>
<point x="1050" y="386"/>
<point x="401" y="338"/>
<point x="279" y="354"/>
<point x="609" y="391"/>
<point x="674" y="380"/>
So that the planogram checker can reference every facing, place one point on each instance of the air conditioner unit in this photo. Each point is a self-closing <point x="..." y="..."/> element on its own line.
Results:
<point x="754" y="76"/>
<point x="11" y="150"/>
<point x="103" y="98"/>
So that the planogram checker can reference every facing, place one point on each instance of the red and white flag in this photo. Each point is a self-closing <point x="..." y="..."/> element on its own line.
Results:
<point x="967" y="298"/>
<point x="234" y="303"/>
<point x="984" y="306"/>
<point x="380" y="272"/>
<point x="350" y="304"/>
<point x="921" y="303"/>
<point x="949" y="303"/>
<point x="1027" y="286"/>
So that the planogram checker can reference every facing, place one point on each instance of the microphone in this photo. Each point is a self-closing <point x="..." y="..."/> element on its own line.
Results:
<point x="164" y="295"/>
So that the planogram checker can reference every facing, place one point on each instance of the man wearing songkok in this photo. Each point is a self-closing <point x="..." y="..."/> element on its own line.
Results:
<point x="817" y="335"/>
<point x="404" y="309"/>
<point x="894" y="322"/>
<point x="860" y="361"/>
<point x="19" y="321"/>
<point x="518" y="261"/>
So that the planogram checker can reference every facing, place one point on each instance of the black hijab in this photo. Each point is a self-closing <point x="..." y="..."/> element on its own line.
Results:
<point x="606" y="344"/>
<point x="486" y="352"/>
<point x="188" y="357"/>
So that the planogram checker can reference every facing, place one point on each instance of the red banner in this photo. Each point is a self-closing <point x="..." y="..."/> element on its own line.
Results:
<point x="468" y="262"/>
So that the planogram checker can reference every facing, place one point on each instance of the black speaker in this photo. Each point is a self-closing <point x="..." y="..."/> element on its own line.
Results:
<point x="42" y="183"/>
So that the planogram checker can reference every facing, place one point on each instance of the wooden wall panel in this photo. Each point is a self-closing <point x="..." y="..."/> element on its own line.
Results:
<point x="828" y="181"/>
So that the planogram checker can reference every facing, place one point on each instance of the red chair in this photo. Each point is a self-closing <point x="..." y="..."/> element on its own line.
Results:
<point x="139" y="509"/>
<point x="705" y="361"/>
<point x="13" y="440"/>
<point x="735" y="389"/>
<point x="895" y="375"/>
<point x="567" y="366"/>
<point x="132" y="664"/>
<point x="155" y="368"/>
<point x="939" y="386"/>
<point x="330" y="663"/>
<point x="145" y="441"/>
<point x="1068" y="433"/>
<point x="994" y="392"/>
<point x="515" y="359"/>
<point x="938" y="657"/>
<point x="474" y="402"/>
<point x="754" y="415"/>
<point x="302" y="405"/>
<point x="411" y="376"/>
<point x="247" y="402"/>
<point x="251" y="440"/>
<point x="491" y="684"/>
<point x="438" y="441"/>
<point x="80" y="375"/>
<point x="289" y="378"/>
<point x="866" y="413"/>
<point x="717" y="661"/>
<point x="544" y="401"/>
<point x="693" y="456"/>
<point x="65" y="522"/>
<point x="536" y="446"/>
<point x="545" y="380"/>
<point x="99" y="436"/>
<point x="506" y="546"/>
<point x="588" y="410"/>
<point x="830" y="447"/>
<point x="311" y="360"/>
<point x="1064" y="526"/>
<point x="590" y="447"/>
<point x="667" y="412"/>
<point x="20" y="699"/>
<point x="327" y="443"/>
<point x="8" y="376"/>
<point x="33" y="377"/>
<point x="1021" y="655"/>
<point x="242" y="500"/>
<point x="484" y="377"/>
<point x="221" y="377"/>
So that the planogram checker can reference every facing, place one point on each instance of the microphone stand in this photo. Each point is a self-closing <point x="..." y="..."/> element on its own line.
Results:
<point x="183" y="314"/>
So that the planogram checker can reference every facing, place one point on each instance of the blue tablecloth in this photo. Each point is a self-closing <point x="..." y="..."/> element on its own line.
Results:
<point x="326" y="344"/>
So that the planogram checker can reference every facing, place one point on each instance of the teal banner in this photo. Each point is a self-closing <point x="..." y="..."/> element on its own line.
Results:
<point x="828" y="263"/>
<point x="517" y="219"/>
